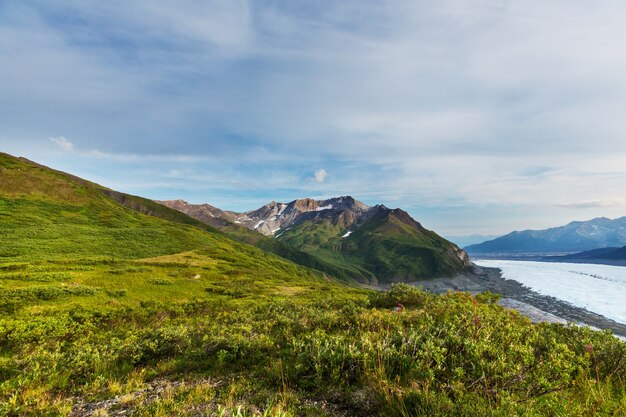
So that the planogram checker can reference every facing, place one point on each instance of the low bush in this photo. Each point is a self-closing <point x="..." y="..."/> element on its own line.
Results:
<point x="160" y="281"/>
<point x="401" y="293"/>
<point x="313" y="347"/>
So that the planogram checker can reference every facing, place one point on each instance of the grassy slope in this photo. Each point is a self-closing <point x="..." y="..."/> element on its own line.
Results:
<point x="235" y="232"/>
<point x="100" y="302"/>
<point x="344" y="272"/>
<point x="322" y="240"/>
<point x="52" y="213"/>
<point x="385" y="249"/>
<point x="46" y="215"/>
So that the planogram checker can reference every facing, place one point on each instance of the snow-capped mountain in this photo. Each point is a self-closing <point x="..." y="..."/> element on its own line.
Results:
<point x="371" y="243"/>
<point x="274" y="218"/>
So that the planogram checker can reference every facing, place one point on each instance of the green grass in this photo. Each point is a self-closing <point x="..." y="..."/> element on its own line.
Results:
<point x="220" y="339"/>
<point x="36" y="194"/>
<point x="48" y="215"/>
<point x="39" y="229"/>
<point x="104" y="309"/>
<point x="385" y="249"/>
<point x="310" y="259"/>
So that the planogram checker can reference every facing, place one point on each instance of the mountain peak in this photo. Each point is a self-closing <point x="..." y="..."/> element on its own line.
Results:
<point x="346" y="202"/>
<point x="305" y="204"/>
<point x="374" y="244"/>
<point x="206" y="213"/>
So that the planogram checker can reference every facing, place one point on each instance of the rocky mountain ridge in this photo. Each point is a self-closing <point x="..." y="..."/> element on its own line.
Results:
<point x="273" y="218"/>
<point x="204" y="212"/>
<point x="375" y="243"/>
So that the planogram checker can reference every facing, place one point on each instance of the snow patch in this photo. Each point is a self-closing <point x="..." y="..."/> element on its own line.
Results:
<point x="328" y="207"/>
<point x="348" y="233"/>
<point x="259" y="223"/>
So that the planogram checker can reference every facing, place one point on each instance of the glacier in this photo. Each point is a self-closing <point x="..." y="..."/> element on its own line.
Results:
<point x="597" y="288"/>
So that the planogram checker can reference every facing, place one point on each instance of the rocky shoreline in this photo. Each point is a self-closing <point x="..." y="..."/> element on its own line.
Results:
<point x="539" y="308"/>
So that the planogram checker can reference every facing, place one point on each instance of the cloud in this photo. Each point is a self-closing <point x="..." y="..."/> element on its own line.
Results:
<point x="598" y="203"/>
<point x="320" y="175"/>
<point x="62" y="143"/>
<point x="436" y="105"/>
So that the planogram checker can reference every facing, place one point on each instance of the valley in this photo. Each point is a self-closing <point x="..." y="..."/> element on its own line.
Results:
<point x="113" y="304"/>
<point x="284" y="208"/>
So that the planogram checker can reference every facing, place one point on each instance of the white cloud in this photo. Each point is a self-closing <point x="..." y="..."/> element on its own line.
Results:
<point x="442" y="104"/>
<point x="320" y="175"/>
<point x="62" y="143"/>
<point x="598" y="203"/>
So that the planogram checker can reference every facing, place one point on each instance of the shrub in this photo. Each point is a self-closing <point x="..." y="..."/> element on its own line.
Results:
<point x="160" y="281"/>
<point x="402" y="293"/>
<point x="117" y="293"/>
<point x="46" y="292"/>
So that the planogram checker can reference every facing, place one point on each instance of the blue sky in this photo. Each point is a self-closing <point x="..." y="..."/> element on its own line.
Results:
<point x="477" y="116"/>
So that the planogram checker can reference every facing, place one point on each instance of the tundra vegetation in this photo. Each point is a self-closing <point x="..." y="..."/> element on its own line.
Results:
<point x="105" y="309"/>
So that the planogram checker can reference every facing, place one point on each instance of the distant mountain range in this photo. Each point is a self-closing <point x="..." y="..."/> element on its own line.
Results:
<point x="576" y="236"/>
<point x="602" y="254"/>
<point x="371" y="244"/>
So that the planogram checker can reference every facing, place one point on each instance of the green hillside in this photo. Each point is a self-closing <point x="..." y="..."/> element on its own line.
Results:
<point x="341" y="237"/>
<point x="107" y="310"/>
<point x="235" y="232"/>
<point x="343" y="272"/>
<point x="389" y="247"/>
<point x="45" y="214"/>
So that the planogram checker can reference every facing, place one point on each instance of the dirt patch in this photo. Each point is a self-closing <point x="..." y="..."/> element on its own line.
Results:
<point x="124" y="404"/>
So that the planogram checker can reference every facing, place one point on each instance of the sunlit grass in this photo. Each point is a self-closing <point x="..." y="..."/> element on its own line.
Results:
<point x="104" y="309"/>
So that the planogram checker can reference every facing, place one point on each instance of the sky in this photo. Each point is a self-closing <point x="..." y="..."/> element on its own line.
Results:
<point x="477" y="116"/>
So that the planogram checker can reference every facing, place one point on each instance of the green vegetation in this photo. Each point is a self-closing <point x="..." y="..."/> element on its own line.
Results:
<point x="241" y="234"/>
<point x="390" y="247"/>
<point x="279" y="342"/>
<point x="342" y="271"/>
<point x="105" y="309"/>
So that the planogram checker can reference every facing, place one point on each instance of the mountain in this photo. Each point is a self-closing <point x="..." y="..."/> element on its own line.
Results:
<point x="375" y="244"/>
<point x="274" y="218"/>
<point x="609" y="254"/>
<point x="618" y="254"/>
<point x="225" y="221"/>
<point x="203" y="212"/>
<point x="576" y="236"/>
